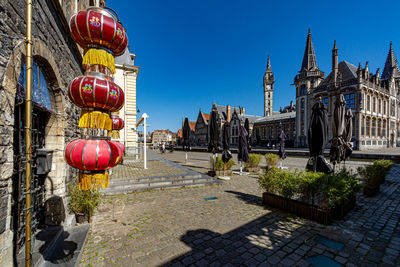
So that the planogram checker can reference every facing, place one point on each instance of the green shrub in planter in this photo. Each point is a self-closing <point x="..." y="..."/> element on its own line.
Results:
<point x="255" y="160"/>
<point x="312" y="187"/>
<point x="219" y="164"/>
<point x="375" y="174"/>
<point x="82" y="201"/>
<point x="272" y="160"/>
<point x="310" y="184"/>
<point x="340" y="187"/>
<point x="278" y="181"/>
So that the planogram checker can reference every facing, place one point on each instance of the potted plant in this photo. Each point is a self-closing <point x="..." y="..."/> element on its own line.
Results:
<point x="218" y="167"/>
<point x="82" y="202"/>
<point x="374" y="175"/>
<point x="254" y="163"/>
<point x="271" y="160"/>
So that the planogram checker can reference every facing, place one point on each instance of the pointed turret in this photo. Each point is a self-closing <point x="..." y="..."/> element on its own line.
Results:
<point x="309" y="60"/>
<point x="335" y="65"/>
<point x="391" y="68"/>
<point x="268" y="65"/>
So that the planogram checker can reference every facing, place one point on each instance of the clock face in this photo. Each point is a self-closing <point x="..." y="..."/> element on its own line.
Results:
<point x="268" y="86"/>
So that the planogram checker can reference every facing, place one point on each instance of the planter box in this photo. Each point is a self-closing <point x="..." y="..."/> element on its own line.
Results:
<point x="252" y="169"/>
<point x="219" y="173"/>
<point x="82" y="217"/>
<point x="309" y="211"/>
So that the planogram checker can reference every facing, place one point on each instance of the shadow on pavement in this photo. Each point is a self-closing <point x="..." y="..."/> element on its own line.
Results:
<point x="64" y="250"/>
<point x="249" y="245"/>
<point x="250" y="199"/>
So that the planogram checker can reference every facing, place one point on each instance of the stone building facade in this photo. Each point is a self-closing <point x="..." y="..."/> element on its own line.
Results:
<point x="266" y="130"/>
<point x="126" y="76"/>
<point x="372" y="98"/>
<point x="57" y="60"/>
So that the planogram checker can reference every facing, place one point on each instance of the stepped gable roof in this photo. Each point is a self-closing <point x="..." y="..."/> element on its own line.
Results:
<point x="391" y="68"/>
<point x="309" y="59"/>
<point x="222" y="111"/>
<point x="192" y="125"/>
<point x="347" y="71"/>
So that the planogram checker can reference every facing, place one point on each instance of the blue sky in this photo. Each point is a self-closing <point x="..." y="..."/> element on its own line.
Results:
<point x="193" y="53"/>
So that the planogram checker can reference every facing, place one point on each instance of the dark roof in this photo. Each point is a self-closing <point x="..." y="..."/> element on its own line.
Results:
<point x="277" y="117"/>
<point x="391" y="68"/>
<point x="309" y="60"/>
<point x="347" y="71"/>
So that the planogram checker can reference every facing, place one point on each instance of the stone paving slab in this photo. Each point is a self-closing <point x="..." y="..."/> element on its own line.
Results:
<point x="180" y="228"/>
<point x="132" y="168"/>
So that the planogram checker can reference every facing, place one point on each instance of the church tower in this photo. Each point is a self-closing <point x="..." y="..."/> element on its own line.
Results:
<point x="268" y="89"/>
<point x="309" y="77"/>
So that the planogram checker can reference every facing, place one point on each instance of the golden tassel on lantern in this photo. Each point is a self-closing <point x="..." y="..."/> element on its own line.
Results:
<point x="95" y="119"/>
<point x="97" y="180"/>
<point x="113" y="134"/>
<point x="95" y="56"/>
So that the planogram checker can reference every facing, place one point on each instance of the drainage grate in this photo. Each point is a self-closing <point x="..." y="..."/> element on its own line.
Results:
<point x="210" y="198"/>
<point x="329" y="243"/>
<point x="323" y="261"/>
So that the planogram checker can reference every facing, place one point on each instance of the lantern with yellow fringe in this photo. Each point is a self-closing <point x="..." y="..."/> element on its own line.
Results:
<point x="97" y="97"/>
<point x="117" y="125"/>
<point x="93" y="158"/>
<point x="102" y="36"/>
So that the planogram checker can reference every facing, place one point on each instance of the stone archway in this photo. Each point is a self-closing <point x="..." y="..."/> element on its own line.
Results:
<point x="54" y="138"/>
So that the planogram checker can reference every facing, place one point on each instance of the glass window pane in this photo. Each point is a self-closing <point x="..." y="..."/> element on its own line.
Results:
<point x="44" y="91"/>
<point x="40" y="92"/>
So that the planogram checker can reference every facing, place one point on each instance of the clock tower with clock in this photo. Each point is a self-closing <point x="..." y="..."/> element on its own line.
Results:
<point x="268" y="89"/>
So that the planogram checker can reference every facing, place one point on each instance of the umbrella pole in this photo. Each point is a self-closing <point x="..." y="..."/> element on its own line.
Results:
<point x="240" y="168"/>
<point x="186" y="157"/>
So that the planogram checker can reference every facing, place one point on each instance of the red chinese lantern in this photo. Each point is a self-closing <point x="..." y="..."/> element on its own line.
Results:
<point x="93" y="158"/>
<point x="117" y="125"/>
<point x="102" y="37"/>
<point x="100" y="34"/>
<point x="97" y="97"/>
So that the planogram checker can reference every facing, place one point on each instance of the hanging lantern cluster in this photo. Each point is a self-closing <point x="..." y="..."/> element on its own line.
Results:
<point x="102" y="37"/>
<point x="117" y="125"/>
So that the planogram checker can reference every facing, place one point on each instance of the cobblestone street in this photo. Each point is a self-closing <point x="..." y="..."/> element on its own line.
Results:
<point x="132" y="168"/>
<point x="180" y="227"/>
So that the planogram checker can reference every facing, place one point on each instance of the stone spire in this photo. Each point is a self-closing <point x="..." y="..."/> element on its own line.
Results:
<point x="335" y="65"/>
<point x="309" y="60"/>
<point x="391" y="68"/>
<point x="268" y="65"/>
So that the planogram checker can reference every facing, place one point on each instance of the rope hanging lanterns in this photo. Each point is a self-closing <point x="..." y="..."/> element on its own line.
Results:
<point x="102" y="37"/>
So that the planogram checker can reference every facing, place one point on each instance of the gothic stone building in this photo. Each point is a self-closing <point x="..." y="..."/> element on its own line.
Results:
<point x="372" y="98"/>
<point x="56" y="61"/>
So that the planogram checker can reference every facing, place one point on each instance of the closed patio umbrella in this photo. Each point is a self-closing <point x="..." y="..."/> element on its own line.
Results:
<point x="247" y="127"/>
<point x="282" y="138"/>
<point x="186" y="137"/>
<point x="226" y="153"/>
<point x="348" y="132"/>
<point x="243" y="153"/>
<point x="337" y="151"/>
<point x="213" y="133"/>
<point x="317" y="139"/>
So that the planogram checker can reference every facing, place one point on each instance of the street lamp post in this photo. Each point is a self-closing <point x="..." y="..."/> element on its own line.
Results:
<point x="139" y="122"/>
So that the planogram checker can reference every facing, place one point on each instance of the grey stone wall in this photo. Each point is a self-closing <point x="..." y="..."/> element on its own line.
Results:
<point x="58" y="56"/>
